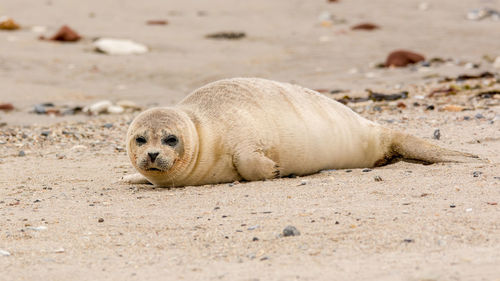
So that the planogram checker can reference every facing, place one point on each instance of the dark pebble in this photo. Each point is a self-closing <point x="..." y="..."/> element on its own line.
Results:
<point x="255" y="239"/>
<point x="366" y="170"/>
<point x="377" y="178"/>
<point x="291" y="231"/>
<point x="37" y="201"/>
<point x="21" y="153"/>
<point x="437" y="134"/>
<point x="337" y="222"/>
<point x="430" y="107"/>
<point x="452" y="206"/>
<point x="377" y="108"/>
<point x="45" y="133"/>
<point x="100" y="220"/>
<point x="479" y="116"/>
<point x="476" y="174"/>
<point x="216" y="208"/>
<point x="466" y="118"/>
<point x="107" y="125"/>
<point x="409" y="240"/>
<point x="348" y="171"/>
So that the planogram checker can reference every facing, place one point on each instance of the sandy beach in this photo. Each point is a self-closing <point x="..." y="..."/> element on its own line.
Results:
<point x="65" y="215"/>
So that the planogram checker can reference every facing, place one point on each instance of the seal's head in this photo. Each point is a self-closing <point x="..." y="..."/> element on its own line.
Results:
<point x="161" y="144"/>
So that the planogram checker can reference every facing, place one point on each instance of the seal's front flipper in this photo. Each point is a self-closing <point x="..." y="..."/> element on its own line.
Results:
<point x="254" y="166"/>
<point x="135" y="179"/>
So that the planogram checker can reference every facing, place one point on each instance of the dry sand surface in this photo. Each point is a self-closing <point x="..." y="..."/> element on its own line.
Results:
<point x="64" y="215"/>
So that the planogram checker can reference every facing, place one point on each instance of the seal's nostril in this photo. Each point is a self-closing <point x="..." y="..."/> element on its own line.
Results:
<point x="153" y="155"/>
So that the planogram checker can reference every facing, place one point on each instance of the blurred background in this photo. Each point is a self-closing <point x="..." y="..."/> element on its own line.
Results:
<point x="311" y="43"/>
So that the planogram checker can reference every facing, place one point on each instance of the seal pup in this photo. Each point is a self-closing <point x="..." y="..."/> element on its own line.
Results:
<point x="256" y="129"/>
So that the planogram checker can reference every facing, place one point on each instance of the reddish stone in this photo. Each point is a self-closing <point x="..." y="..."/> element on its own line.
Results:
<point x="402" y="58"/>
<point x="6" y="106"/>
<point x="365" y="26"/>
<point x="66" y="34"/>
<point x="157" y="22"/>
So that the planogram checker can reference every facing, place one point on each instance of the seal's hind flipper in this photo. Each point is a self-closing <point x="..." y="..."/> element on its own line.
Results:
<point x="413" y="148"/>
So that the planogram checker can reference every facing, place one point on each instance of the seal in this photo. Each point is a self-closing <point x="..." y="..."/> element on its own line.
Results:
<point x="256" y="129"/>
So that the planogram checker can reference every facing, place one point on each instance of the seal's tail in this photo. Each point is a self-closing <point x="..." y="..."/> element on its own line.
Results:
<point x="413" y="148"/>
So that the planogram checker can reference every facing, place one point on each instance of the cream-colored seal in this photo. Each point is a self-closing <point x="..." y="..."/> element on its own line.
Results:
<point x="256" y="129"/>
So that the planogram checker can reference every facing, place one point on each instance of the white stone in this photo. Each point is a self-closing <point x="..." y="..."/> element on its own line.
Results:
<point x="112" y="46"/>
<point x="115" y="109"/>
<point x="4" y="253"/>
<point x="496" y="64"/>
<point x="98" y="107"/>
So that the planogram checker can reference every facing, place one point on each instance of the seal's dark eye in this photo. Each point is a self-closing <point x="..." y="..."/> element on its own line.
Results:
<point x="140" y="140"/>
<point x="170" y="140"/>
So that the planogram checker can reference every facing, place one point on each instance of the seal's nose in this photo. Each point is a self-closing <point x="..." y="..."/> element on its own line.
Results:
<point x="153" y="155"/>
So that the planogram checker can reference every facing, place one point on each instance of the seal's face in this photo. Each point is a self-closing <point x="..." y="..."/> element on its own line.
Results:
<point x="156" y="150"/>
<point x="157" y="142"/>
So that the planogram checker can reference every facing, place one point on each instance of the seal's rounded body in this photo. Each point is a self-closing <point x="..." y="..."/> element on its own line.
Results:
<point x="255" y="129"/>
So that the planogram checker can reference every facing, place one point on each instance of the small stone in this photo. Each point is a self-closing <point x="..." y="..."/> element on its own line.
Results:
<point x="59" y="251"/>
<point x="453" y="108"/>
<point x="348" y="171"/>
<point x="100" y="220"/>
<point x="409" y="240"/>
<point x="230" y="35"/>
<point x="303" y="182"/>
<point x="112" y="46"/>
<point x="452" y="206"/>
<point x="98" y="107"/>
<point x="377" y="178"/>
<point x="496" y="63"/>
<point x="21" y="153"/>
<point x="255" y="239"/>
<point x="115" y="109"/>
<point x="468" y="210"/>
<point x="66" y="34"/>
<point x="366" y="170"/>
<point x="476" y="174"/>
<point x="6" y="106"/>
<point x="40" y="109"/>
<point x="365" y="26"/>
<point x="108" y="125"/>
<point x="437" y="134"/>
<point x="430" y="107"/>
<point x="7" y="23"/>
<point x="46" y="133"/>
<point x="290" y="231"/>
<point x="479" y="116"/>
<point x="401" y="58"/>
<point x="4" y="253"/>
<point x="254" y="227"/>
<point x="38" y="228"/>
<point x="157" y="22"/>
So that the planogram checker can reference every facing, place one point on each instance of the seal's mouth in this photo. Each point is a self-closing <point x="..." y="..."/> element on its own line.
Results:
<point x="153" y="169"/>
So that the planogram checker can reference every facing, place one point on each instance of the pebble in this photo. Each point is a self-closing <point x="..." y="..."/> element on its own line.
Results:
<point x="476" y="174"/>
<point x="7" y="23"/>
<point x="437" y="134"/>
<point x="254" y="227"/>
<point x="496" y="63"/>
<point x="468" y="210"/>
<point x="479" y="116"/>
<point x="40" y="109"/>
<point x="365" y="26"/>
<point x="98" y="107"/>
<point x="303" y="182"/>
<point x="100" y="220"/>
<point x="409" y="240"/>
<point x="401" y="58"/>
<point x="58" y="251"/>
<point x="112" y="46"/>
<point x="66" y="34"/>
<point x="38" y="228"/>
<point x="108" y="125"/>
<point x="45" y="133"/>
<point x="6" y="106"/>
<point x="230" y="35"/>
<point x="452" y="206"/>
<point x="290" y="231"/>
<point x="21" y="153"/>
<point x="366" y="170"/>
<point x="255" y="239"/>
<point x="453" y="108"/>
<point x="4" y="253"/>
<point x="115" y="109"/>
<point x="377" y="178"/>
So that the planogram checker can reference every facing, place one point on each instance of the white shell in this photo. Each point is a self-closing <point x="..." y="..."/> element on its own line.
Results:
<point x="119" y="46"/>
<point x="115" y="109"/>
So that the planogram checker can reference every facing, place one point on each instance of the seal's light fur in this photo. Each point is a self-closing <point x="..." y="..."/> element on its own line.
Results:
<point x="255" y="129"/>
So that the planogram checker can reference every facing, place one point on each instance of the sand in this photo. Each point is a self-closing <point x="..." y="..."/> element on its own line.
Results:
<point x="64" y="215"/>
